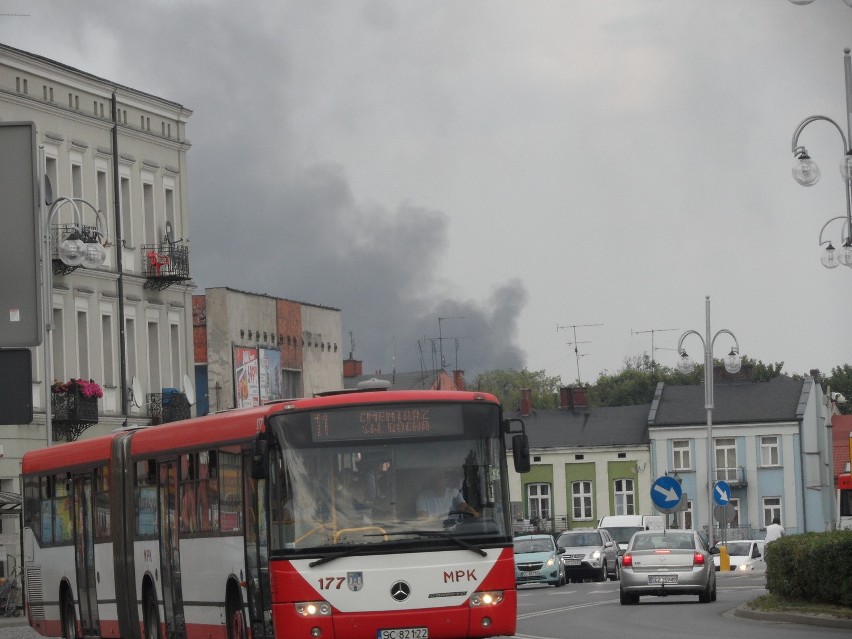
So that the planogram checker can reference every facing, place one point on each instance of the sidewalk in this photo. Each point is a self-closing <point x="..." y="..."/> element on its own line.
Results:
<point x="823" y="621"/>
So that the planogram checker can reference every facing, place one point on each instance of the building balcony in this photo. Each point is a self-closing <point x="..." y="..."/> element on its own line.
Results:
<point x="165" y="264"/>
<point x="72" y="414"/>
<point x="169" y="406"/>
<point x="735" y="477"/>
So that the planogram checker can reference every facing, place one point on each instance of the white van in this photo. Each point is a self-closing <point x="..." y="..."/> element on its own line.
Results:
<point x="622" y="527"/>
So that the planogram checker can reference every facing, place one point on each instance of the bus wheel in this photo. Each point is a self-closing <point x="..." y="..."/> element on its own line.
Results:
<point x="236" y="619"/>
<point x="69" y="618"/>
<point x="151" y="617"/>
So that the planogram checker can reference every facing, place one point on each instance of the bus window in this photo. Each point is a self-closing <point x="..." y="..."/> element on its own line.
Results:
<point x="46" y="499"/>
<point x="62" y="510"/>
<point x="188" y="504"/>
<point x="208" y="491"/>
<point x="32" y="506"/>
<point x="146" y="498"/>
<point x="101" y="498"/>
<point x="230" y="478"/>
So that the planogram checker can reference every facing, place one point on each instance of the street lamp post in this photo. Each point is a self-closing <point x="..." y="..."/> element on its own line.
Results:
<point x="77" y="249"/>
<point x="807" y="173"/>
<point x="686" y="365"/>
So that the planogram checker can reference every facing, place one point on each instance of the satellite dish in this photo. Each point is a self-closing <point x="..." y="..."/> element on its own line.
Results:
<point x="136" y="392"/>
<point x="188" y="390"/>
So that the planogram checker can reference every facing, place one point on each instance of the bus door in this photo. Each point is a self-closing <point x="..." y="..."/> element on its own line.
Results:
<point x="84" y="551"/>
<point x="257" y="553"/>
<point x="170" y="552"/>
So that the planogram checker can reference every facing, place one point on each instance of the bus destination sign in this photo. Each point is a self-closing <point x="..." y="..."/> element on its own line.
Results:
<point x="379" y="422"/>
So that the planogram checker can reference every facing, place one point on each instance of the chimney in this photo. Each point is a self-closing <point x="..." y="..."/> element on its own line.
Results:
<point x="579" y="398"/>
<point x="526" y="402"/>
<point x="458" y="380"/>
<point x="564" y="397"/>
<point x="351" y="368"/>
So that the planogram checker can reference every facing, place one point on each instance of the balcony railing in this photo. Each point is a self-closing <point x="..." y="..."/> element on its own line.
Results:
<point x="165" y="264"/>
<point x="72" y="414"/>
<point x="169" y="406"/>
<point x="735" y="477"/>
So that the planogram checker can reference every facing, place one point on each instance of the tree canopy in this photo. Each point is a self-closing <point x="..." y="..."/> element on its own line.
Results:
<point x="506" y="384"/>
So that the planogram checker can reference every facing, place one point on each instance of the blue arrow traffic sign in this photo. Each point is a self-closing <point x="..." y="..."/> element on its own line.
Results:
<point x="666" y="493"/>
<point x="722" y="493"/>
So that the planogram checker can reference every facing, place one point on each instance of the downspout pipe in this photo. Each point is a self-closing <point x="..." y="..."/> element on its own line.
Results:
<point x="119" y="260"/>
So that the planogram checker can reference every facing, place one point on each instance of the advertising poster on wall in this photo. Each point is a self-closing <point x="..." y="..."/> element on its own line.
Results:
<point x="246" y="377"/>
<point x="256" y="381"/>
<point x="270" y="374"/>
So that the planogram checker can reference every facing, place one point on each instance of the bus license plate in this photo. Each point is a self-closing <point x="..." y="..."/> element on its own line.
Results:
<point x="662" y="579"/>
<point x="403" y="633"/>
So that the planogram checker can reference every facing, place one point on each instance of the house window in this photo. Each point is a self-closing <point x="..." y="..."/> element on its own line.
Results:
<point x="108" y="358"/>
<point x="150" y="221"/>
<point x="82" y="344"/>
<point x="58" y="346"/>
<point x="680" y="455"/>
<point x="538" y="501"/>
<point x="625" y="502"/>
<point x="581" y="493"/>
<point x="130" y="345"/>
<point x="769" y="455"/>
<point x="771" y="509"/>
<point x="726" y="459"/>
<point x="684" y="517"/>
<point x="126" y="211"/>
<point x="174" y="343"/>
<point x="76" y="180"/>
<point x="154" y="357"/>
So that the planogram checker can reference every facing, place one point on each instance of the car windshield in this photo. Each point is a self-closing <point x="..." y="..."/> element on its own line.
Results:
<point x="739" y="548"/>
<point x="524" y="546"/>
<point x="622" y="534"/>
<point x="676" y="541"/>
<point x="573" y="540"/>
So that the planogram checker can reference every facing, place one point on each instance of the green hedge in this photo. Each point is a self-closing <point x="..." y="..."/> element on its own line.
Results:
<point x="811" y="567"/>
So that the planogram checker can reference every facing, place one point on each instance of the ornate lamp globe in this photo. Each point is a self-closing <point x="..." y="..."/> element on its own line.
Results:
<point x="94" y="254"/>
<point x="71" y="251"/>
<point x="805" y="170"/>
<point x="685" y="364"/>
<point x="846" y="163"/>
<point x="829" y="257"/>
<point x="733" y="362"/>
<point x="844" y="253"/>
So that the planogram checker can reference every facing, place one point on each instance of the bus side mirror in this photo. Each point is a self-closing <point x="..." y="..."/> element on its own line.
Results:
<point x="259" y="456"/>
<point x="521" y="452"/>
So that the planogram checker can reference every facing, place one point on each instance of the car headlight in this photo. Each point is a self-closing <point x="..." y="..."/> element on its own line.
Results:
<point x="550" y="561"/>
<point x="596" y="554"/>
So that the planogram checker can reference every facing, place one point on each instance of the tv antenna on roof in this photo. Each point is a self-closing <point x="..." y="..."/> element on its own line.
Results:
<point x="574" y="343"/>
<point x="652" y="331"/>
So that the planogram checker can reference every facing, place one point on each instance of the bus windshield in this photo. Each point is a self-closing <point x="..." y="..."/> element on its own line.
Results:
<point x="373" y="475"/>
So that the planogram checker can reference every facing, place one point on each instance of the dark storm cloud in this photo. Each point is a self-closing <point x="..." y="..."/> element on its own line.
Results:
<point x="307" y="239"/>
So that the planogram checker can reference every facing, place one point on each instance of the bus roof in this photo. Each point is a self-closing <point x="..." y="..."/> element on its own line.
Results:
<point x="219" y="428"/>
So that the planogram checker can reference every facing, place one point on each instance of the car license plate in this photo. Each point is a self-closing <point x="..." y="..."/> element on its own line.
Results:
<point x="529" y="574"/>
<point x="403" y="633"/>
<point x="662" y="579"/>
<point x="572" y="562"/>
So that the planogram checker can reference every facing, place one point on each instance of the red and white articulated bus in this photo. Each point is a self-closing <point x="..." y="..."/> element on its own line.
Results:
<point x="299" y="519"/>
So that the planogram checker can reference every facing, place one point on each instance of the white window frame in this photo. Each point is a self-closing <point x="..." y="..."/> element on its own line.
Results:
<point x="624" y="496"/>
<point x="681" y="454"/>
<point x="582" y="500"/>
<point x="539" y="500"/>
<point x="725" y="449"/>
<point x="770" y="447"/>
<point x="771" y="508"/>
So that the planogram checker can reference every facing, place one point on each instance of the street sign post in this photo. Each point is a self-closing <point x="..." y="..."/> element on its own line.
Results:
<point x="721" y="493"/>
<point x="666" y="494"/>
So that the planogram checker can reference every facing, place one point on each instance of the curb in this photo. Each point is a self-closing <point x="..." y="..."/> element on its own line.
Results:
<point x="822" y="621"/>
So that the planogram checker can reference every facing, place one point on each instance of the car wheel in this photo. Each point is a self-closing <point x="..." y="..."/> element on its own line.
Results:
<point x="707" y="595"/>
<point x="601" y="576"/>
<point x="713" y="596"/>
<point x="616" y="574"/>
<point x="627" y="599"/>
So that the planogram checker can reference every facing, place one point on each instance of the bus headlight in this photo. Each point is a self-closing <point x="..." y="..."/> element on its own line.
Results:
<point x="313" y="609"/>
<point x="488" y="598"/>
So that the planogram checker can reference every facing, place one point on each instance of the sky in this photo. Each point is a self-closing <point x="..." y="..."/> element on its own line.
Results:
<point x="499" y="173"/>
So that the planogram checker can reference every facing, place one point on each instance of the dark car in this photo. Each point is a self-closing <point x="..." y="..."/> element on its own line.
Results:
<point x="589" y="553"/>
<point x="667" y="562"/>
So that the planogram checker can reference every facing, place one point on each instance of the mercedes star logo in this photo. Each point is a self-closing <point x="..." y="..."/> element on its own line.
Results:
<point x="400" y="591"/>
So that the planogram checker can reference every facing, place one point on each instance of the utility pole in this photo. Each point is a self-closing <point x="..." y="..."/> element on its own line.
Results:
<point x="574" y="343"/>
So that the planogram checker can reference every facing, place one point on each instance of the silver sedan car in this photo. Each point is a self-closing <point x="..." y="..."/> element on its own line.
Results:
<point x="667" y="562"/>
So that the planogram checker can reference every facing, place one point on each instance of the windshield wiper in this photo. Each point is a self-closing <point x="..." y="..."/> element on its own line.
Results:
<point x="354" y="550"/>
<point x="437" y="533"/>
